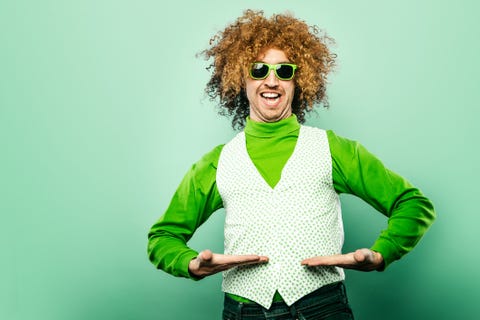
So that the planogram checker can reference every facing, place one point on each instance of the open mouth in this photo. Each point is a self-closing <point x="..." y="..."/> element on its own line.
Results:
<point x="271" y="97"/>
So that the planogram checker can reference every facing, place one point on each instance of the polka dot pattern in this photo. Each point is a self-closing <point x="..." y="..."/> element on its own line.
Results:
<point x="298" y="219"/>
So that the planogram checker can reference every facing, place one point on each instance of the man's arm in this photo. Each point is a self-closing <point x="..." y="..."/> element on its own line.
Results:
<point x="193" y="203"/>
<point x="410" y="213"/>
<point x="195" y="199"/>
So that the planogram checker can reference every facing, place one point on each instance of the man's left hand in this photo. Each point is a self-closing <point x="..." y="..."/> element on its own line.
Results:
<point x="362" y="260"/>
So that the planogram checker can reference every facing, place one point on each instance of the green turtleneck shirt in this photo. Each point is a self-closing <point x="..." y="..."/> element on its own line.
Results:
<point x="354" y="170"/>
<point x="271" y="145"/>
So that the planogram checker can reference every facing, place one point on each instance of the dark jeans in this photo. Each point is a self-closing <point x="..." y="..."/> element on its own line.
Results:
<point x="329" y="302"/>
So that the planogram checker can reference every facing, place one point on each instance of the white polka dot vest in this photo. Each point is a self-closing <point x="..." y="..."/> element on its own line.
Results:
<point x="299" y="218"/>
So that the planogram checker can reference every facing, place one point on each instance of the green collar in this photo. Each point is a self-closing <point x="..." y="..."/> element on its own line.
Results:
<point x="271" y="129"/>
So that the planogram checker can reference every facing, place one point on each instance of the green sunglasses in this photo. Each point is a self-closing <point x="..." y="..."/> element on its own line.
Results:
<point x="283" y="71"/>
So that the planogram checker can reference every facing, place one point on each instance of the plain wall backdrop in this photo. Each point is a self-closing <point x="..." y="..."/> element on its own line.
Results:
<point x="102" y="111"/>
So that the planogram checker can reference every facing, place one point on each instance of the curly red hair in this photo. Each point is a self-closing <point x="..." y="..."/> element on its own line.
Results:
<point x="239" y="44"/>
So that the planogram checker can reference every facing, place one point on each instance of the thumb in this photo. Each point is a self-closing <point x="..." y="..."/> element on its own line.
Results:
<point x="363" y="256"/>
<point x="206" y="255"/>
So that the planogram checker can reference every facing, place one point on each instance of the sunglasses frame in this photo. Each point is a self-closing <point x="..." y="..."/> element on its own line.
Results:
<point x="273" y="67"/>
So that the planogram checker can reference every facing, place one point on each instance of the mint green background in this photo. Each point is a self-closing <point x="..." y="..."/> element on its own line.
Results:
<point x="102" y="111"/>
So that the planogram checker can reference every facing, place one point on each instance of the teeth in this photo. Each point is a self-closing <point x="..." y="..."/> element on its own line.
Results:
<point x="270" y="95"/>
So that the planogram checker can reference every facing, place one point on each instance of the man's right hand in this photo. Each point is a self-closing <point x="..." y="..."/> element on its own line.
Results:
<point x="208" y="263"/>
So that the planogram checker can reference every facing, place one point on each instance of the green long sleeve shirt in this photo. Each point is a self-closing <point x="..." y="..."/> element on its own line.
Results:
<point x="355" y="171"/>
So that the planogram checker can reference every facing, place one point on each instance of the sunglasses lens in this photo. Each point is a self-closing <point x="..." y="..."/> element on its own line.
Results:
<point x="285" y="71"/>
<point x="259" y="71"/>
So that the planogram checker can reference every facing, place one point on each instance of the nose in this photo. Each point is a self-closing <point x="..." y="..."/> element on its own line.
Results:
<point x="271" y="80"/>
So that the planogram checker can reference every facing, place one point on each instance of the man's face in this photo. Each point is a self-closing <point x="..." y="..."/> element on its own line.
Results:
<point x="270" y="98"/>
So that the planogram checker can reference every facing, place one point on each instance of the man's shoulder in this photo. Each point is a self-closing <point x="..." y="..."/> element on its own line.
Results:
<point x="314" y="132"/>
<point x="210" y="159"/>
<point x="329" y="132"/>
<point x="337" y="143"/>
<point x="332" y="136"/>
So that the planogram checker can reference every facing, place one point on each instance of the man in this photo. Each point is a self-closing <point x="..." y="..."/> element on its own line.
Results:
<point x="279" y="183"/>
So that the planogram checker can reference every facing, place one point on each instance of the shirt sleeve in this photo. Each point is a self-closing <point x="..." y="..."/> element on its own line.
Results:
<point x="356" y="171"/>
<point x="194" y="201"/>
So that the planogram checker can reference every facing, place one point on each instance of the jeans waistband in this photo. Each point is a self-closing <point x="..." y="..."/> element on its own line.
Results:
<point x="320" y="291"/>
<point x="329" y="300"/>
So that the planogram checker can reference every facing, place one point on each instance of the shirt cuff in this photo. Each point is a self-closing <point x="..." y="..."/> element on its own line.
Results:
<point x="183" y="263"/>
<point x="388" y="251"/>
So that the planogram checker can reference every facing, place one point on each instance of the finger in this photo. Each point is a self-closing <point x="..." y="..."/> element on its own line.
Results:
<point x="239" y="259"/>
<point x="363" y="256"/>
<point x="362" y="259"/>
<point x="205" y="255"/>
<point x="367" y="256"/>
<point x="333" y="260"/>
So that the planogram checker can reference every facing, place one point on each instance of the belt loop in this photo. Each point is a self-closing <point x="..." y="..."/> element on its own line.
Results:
<point x="293" y="311"/>
<point x="239" y="311"/>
